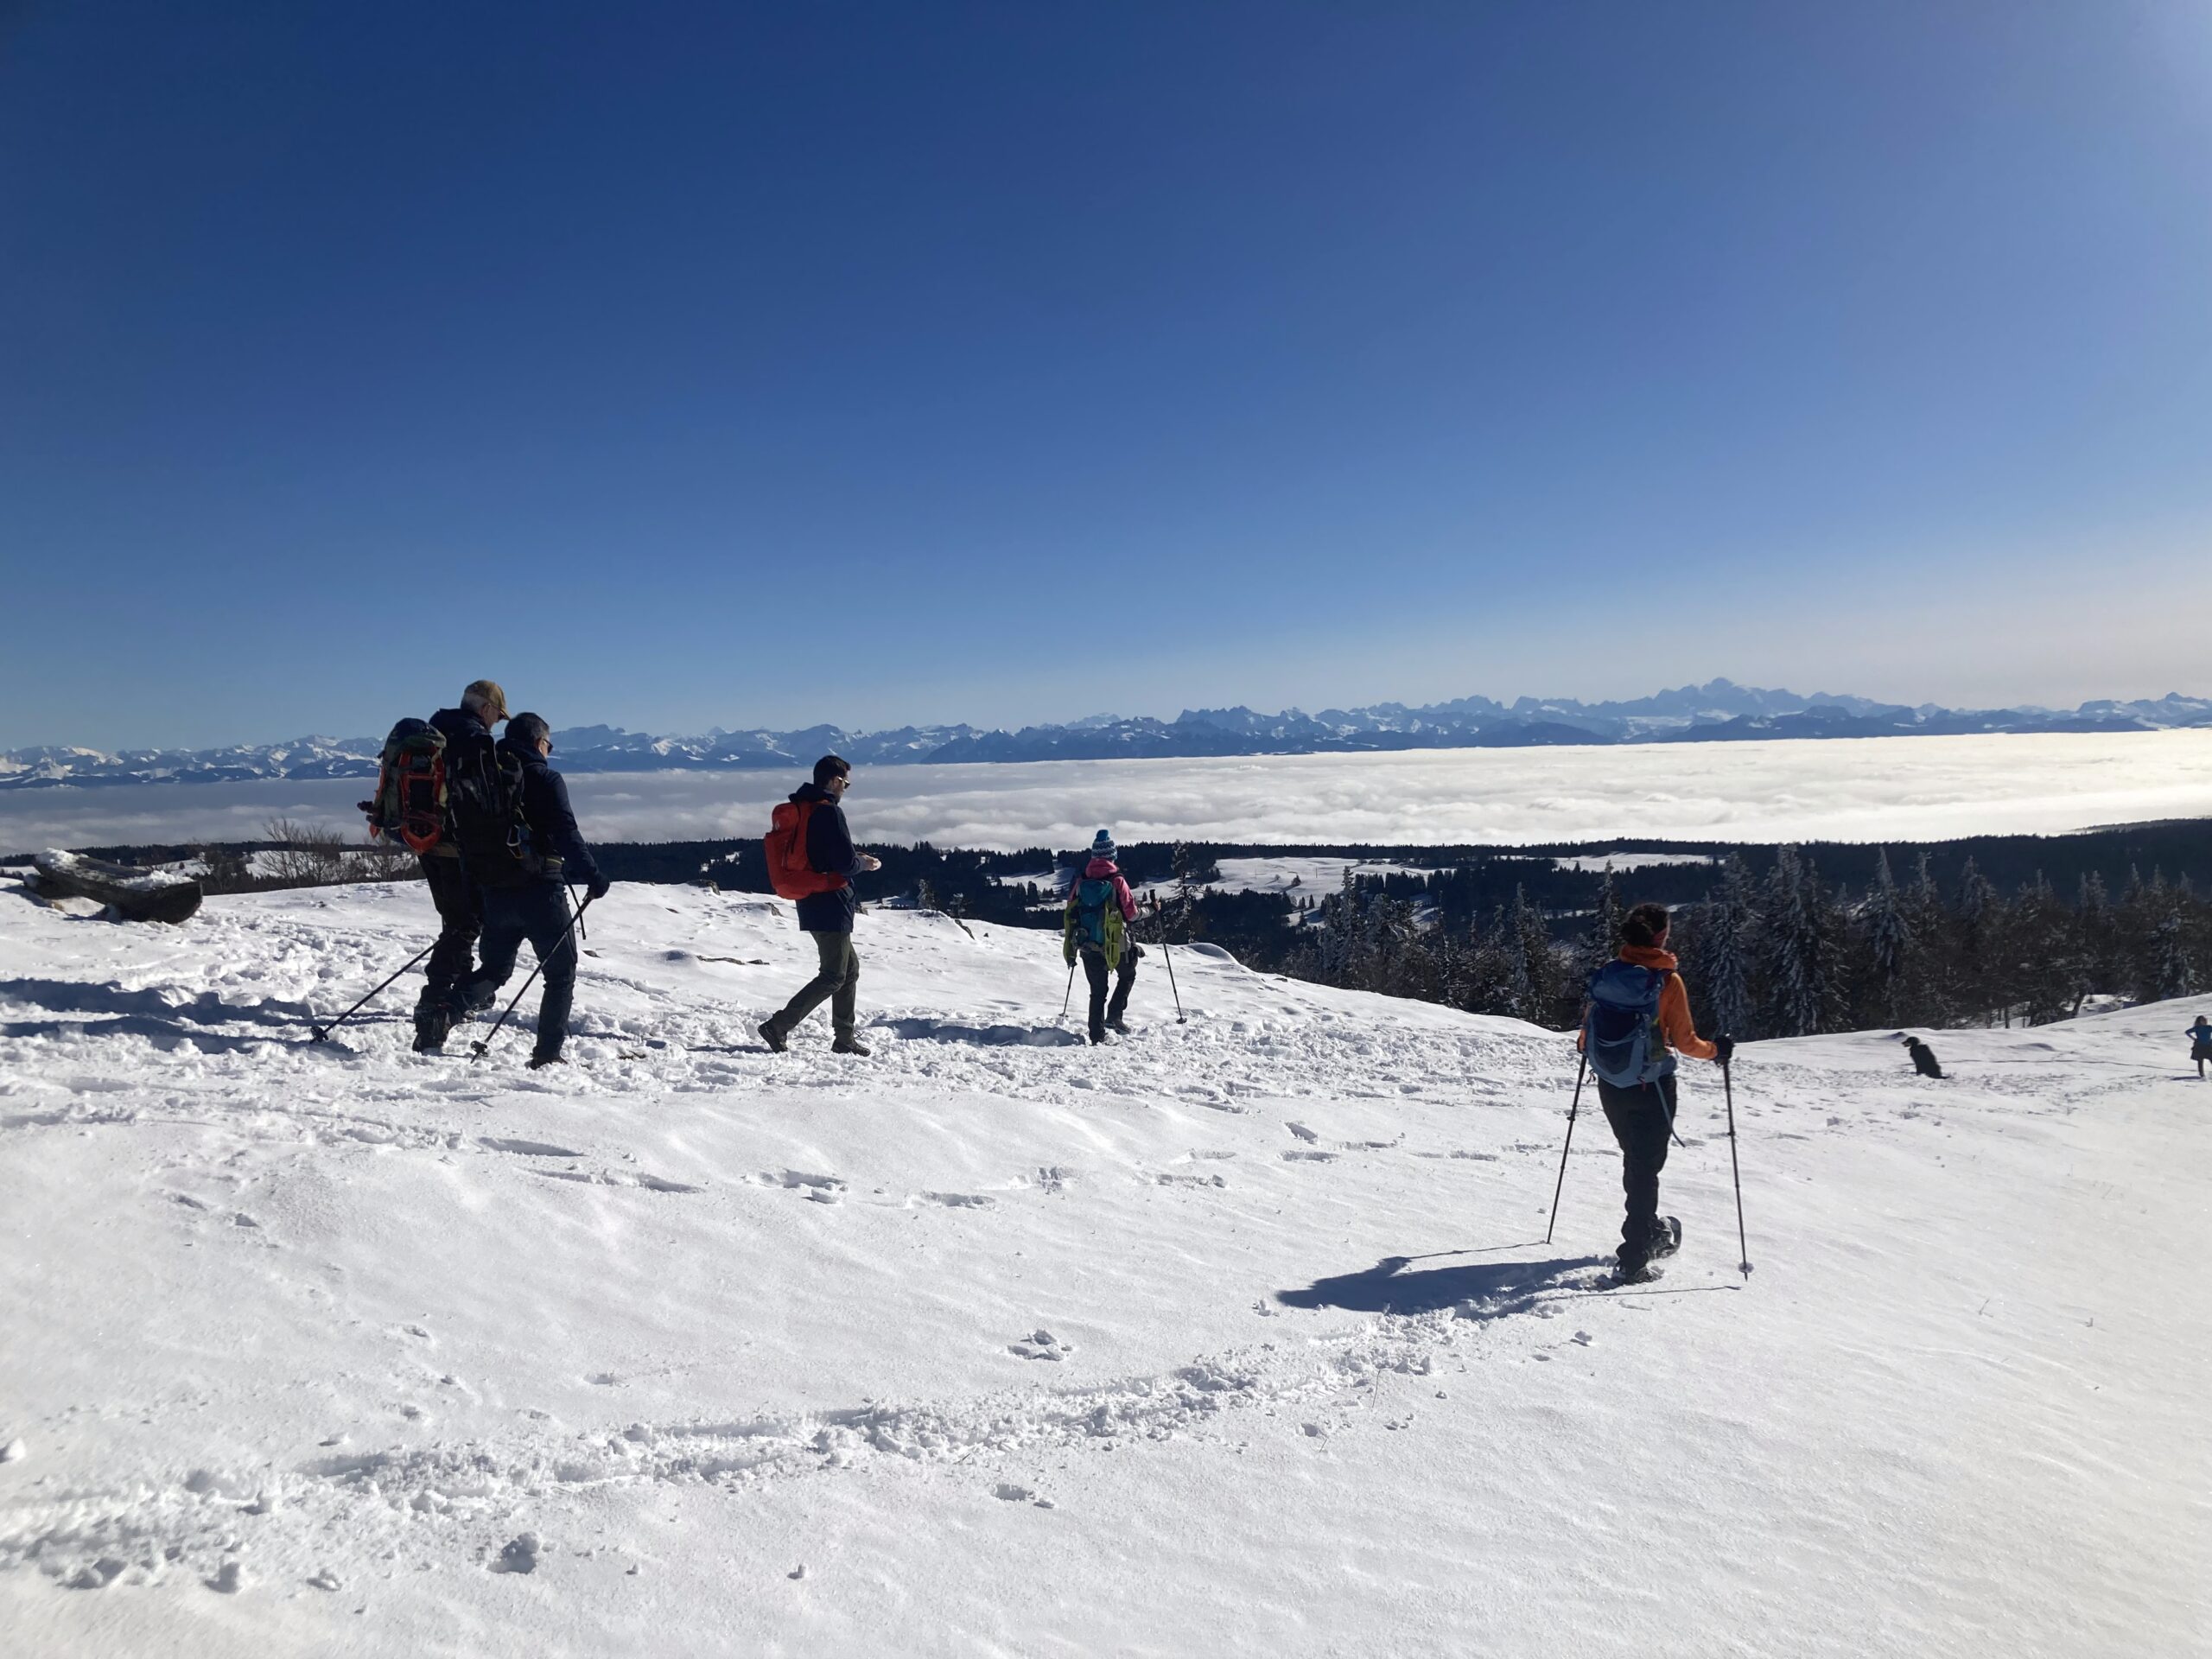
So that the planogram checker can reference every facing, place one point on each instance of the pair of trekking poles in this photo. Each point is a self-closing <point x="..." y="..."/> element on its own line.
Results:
<point x="1167" y="950"/>
<point x="1735" y="1171"/>
<point x="576" y="926"/>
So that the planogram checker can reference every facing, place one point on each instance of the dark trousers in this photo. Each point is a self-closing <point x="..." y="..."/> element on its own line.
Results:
<point x="1095" y="971"/>
<point x="1642" y="1118"/>
<point x="460" y="918"/>
<point x="838" y="984"/>
<point x="540" y="913"/>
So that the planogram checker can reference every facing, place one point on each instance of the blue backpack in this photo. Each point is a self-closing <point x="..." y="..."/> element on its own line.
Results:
<point x="1092" y="895"/>
<point x="1620" y="1033"/>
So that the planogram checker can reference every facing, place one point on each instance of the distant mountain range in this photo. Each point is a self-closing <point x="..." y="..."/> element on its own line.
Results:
<point x="1717" y="712"/>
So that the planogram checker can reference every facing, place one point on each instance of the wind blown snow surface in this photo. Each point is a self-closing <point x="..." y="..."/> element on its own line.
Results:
<point x="1843" y="789"/>
<point x="1238" y="1336"/>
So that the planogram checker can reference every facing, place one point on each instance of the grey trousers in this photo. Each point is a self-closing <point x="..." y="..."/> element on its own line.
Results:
<point x="838" y="984"/>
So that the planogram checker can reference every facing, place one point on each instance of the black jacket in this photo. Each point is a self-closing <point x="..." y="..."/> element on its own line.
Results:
<point x="463" y="732"/>
<point x="829" y="851"/>
<point x="553" y="833"/>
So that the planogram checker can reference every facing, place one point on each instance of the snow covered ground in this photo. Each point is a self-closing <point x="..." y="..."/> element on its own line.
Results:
<point x="1855" y="789"/>
<point x="1239" y="1336"/>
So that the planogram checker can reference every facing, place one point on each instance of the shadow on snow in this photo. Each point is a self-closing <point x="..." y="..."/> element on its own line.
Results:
<point x="1482" y="1290"/>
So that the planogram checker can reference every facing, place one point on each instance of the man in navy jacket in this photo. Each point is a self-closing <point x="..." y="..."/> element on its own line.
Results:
<point x="528" y="898"/>
<point x="467" y="733"/>
<point x="827" y="916"/>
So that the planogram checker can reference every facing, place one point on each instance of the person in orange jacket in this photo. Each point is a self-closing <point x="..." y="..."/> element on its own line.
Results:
<point x="1637" y="1022"/>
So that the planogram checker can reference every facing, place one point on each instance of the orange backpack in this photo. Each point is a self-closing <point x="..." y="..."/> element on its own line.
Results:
<point x="789" y="872"/>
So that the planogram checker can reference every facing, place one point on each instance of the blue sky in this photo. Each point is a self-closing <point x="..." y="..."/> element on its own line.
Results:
<point x="683" y="366"/>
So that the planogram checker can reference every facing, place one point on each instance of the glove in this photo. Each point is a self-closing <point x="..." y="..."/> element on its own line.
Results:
<point x="1727" y="1046"/>
<point x="1136" y="951"/>
<point x="599" y="887"/>
<point x="1067" y="953"/>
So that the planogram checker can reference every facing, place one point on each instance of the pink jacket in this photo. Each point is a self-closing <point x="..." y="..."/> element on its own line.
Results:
<point x="1098" y="869"/>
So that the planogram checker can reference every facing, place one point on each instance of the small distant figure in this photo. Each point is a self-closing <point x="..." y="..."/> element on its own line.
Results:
<point x="2200" y="1043"/>
<point x="1096" y="929"/>
<point x="1923" y="1058"/>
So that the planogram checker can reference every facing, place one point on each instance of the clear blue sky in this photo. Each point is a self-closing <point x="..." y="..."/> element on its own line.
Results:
<point x="724" y="365"/>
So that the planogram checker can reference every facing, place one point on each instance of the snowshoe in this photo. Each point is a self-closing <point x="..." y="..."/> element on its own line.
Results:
<point x="1643" y="1274"/>
<point x="539" y="1062"/>
<point x="432" y="1026"/>
<point x="1666" y="1237"/>
<point x="1118" y="1023"/>
<point x="851" y="1045"/>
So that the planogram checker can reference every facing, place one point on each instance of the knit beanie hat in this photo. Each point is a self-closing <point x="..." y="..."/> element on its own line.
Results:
<point x="485" y="700"/>
<point x="1101" y="845"/>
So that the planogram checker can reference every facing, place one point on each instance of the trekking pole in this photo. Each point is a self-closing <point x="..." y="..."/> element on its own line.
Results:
<point x="1068" y="996"/>
<point x="1168" y="950"/>
<point x="584" y="934"/>
<point x="1574" y="1107"/>
<point x="1734" y="1173"/>
<point x="322" y="1032"/>
<point x="477" y="1050"/>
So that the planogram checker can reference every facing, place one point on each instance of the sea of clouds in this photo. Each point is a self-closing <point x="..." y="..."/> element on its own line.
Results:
<point x="1864" y="789"/>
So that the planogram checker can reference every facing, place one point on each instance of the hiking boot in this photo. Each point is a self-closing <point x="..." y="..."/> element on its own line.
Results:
<point x="1118" y="1023"/>
<point x="771" y="1034"/>
<point x="478" y="998"/>
<point x="1666" y="1236"/>
<point x="539" y="1062"/>
<point x="432" y="1026"/>
<point x="1643" y="1273"/>
<point x="850" y="1044"/>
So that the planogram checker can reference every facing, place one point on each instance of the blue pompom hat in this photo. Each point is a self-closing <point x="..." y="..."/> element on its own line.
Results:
<point x="1102" y="844"/>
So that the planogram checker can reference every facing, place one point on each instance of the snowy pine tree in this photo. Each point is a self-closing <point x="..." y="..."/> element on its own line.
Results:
<point x="1889" y="944"/>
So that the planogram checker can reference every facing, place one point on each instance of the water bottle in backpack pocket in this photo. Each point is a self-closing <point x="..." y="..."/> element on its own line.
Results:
<point x="1620" y="1032"/>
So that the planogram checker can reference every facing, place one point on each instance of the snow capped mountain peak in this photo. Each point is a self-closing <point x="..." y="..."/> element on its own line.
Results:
<point x="1718" y="710"/>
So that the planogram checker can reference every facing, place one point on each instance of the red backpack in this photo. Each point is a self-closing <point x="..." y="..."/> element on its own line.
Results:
<point x="789" y="872"/>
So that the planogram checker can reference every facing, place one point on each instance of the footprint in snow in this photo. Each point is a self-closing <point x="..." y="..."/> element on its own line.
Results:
<point x="1042" y="1344"/>
<point x="526" y="1148"/>
<point x="962" y="1200"/>
<point x="1304" y="1157"/>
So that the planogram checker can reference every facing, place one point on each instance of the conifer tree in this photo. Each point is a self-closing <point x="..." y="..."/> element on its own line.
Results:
<point x="1889" y="944"/>
<point x="1726" y="947"/>
<point x="1603" y="937"/>
<point x="1792" y="938"/>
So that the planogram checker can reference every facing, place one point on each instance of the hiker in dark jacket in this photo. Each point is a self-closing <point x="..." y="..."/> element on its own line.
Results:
<point x="2200" y="1042"/>
<point x="467" y="733"/>
<point x="1643" y="1117"/>
<point x="1923" y="1058"/>
<point x="527" y="897"/>
<point x="1096" y="928"/>
<point x="827" y="916"/>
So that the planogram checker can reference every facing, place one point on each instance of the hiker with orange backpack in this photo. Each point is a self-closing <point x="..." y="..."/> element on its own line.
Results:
<point x="422" y="761"/>
<point x="811" y="858"/>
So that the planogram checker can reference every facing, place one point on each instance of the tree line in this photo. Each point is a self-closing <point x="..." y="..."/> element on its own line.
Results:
<point x="1784" y="953"/>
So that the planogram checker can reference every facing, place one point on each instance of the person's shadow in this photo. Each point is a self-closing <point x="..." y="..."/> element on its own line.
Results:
<point x="1496" y="1288"/>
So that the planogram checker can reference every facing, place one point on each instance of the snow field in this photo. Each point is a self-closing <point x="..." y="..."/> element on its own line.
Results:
<point x="1236" y="1336"/>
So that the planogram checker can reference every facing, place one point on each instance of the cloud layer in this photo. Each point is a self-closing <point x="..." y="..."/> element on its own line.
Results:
<point x="1879" y="788"/>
